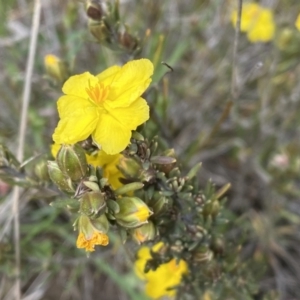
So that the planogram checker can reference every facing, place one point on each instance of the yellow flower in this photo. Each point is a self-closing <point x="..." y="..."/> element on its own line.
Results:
<point x="107" y="106"/>
<point x="109" y="164"/>
<point x="160" y="282"/>
<point x="98" y="238"/>
<point x="256" y="21"/>
<point x="297" y="23"/>
<point x="101" y="159"/>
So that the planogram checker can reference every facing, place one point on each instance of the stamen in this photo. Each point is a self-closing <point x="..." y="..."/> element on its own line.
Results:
<point x="97" y="93"/>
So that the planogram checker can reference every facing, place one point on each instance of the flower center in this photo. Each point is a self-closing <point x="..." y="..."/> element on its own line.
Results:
<point x="97" y="93"/>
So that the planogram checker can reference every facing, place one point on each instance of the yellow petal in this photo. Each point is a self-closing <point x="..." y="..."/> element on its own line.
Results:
<point x="264" y="28"/>
<point x="110" y="135"/>
<point x="77" y="127"/>
<point x="107" y="76"/>
<point x="76" y="85"/>
<point x="54" y="149"/>
<point x="130" y="82"/>
<point x="165" y="277"/>
<point x="132" y="116"/>
<point x="68" y="105"/>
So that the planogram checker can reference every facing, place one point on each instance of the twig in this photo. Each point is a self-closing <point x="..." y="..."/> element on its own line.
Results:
<point x="234" y="83"/>
<point x="22" y="131"/>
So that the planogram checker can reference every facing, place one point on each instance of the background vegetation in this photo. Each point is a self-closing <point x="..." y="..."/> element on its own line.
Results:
<point x="253" y="144"/>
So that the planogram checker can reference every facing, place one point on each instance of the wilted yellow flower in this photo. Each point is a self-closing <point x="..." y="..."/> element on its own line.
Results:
<point x="101" y="159"/>
<point x="107" y="106"/>
<point x="98" y="238"/>
<point x="297" y="23"/>
<point x="89" y="233"/>
<point x="160" y="282"/>
<point x="256" y="21"/>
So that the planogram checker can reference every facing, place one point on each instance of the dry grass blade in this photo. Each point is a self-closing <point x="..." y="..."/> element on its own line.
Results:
<point x="22" y="131"/>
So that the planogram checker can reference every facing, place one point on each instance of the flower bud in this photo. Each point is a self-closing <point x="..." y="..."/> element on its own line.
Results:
<point x="95" y="9"/>
<point x="133" y="212"/>
<point x="203" y="254"/>
<point x="56" y="175"/>
<point x="99" y="31"/>
<point x="92" y="204"/>
<point x="41" y="170"/>
<point x="71" y="160"/>
<point x="158" y="204"/>
<point x="130" y="167"/>
<point x="101" y="223"/>
<point x="127" y="41"/>
<point x="133" y="169"/>
<point x="56" y="68"/>
<point x="144" y="233"/>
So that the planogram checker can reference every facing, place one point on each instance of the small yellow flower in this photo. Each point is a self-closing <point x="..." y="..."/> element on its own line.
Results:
<point x="297" y="23"/>
<point x="98" y="238"/>
<point x="160" y="282"/>
<point x="107" y="106"/>
<point x="256" y="21"/>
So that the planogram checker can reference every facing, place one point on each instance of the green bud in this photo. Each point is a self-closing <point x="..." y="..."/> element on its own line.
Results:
<point x="144" y="233"/>
<point x="285" y="38"/>
<point x="159" y="204"/>
<point x="133" y="212"/>
<point x="64" y="183"/>
<point x="85" y="226"/>
<point x="113" y="206"/>
<point x="211" y="208"/>
<point x="133" y="169"/>
<point x="92" y="204"/>
<point x="136" y="135"/>
<point x="99" y="30"/>
<point x="203" y="254"/>
<point x="215" y="208"/>
<point x="129" y="167"/>
<point x="218" y="245"/>
<point x="41" y="170"/>
<point x="71" y="160"/>
<point x="127" y="41"/>
<point x="101" y="223"/>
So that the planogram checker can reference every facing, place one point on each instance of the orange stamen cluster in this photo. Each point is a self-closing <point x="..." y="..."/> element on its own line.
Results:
<point x="97" y="93"/>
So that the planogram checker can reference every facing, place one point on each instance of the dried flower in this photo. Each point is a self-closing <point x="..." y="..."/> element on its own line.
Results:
<point x="92" y="233"/>
<point x="98" y="238"/>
